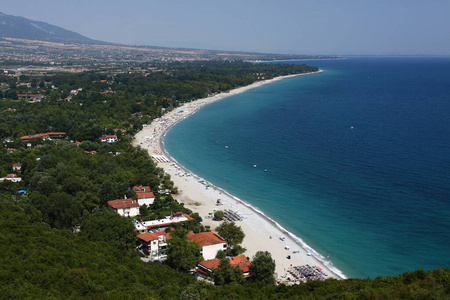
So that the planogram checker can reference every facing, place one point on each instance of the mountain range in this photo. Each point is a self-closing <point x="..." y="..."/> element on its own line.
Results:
<point x="23" y="28"/>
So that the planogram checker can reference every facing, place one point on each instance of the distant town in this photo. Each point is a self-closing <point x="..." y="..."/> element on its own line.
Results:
<point x="76" y="57"/>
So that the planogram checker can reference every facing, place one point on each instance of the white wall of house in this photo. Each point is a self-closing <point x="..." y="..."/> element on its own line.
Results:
<point x="11" y="178"/>
<point x="153" y="246"/>
<point x="209" y="252"/>
<point x="128" y="212"/>
<point x="147" y="201"/>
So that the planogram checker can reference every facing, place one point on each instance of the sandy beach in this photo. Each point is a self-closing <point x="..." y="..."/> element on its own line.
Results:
<point x="261" y="233"/>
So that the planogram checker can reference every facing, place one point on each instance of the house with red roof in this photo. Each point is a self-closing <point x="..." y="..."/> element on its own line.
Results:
<point x="17" y="167"/>
<point x="242" y="262"/>
<point x="125" y="207"/>
<point x="206" y="267"/>
<point x="153" y="244"/>
<point x="109" y="138"/>
<point x="148" y="242"/>
<point x="11" y="177"/>
<point x="44" y="136"/>
<point x="10" y="150"/>
<point x="144" y="195"/>
<point x="118" y="129"/>
<point x="210" y="243"/>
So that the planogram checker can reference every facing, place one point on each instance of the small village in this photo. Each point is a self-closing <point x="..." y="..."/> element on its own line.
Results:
<point x="152" y="241"/>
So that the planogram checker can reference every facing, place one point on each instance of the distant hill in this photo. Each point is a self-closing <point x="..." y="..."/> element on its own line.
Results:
<point x="23" y="28"/>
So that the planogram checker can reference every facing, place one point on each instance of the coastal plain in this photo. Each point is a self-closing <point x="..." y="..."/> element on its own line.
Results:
<point x="261" y="233"/>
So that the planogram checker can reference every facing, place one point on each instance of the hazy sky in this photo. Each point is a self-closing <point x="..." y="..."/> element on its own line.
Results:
<point x="417" y="27"/>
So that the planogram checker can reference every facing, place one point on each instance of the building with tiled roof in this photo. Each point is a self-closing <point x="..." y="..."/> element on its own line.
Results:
<point x="177" y="214"/>
<point x="147" y="237"/>
<point x="210" y="243"/>
<point x="206" y="267"/>
<point x="17" y="167"/>
<point x="11" y="177"/>
<point x="125" y="207"/>
<point x="109" y="138"/>
<point x="152" y="244"/>
<point x="45" y="136"/>
<point x="242" y="262"/>
<point x="144" y="195"/>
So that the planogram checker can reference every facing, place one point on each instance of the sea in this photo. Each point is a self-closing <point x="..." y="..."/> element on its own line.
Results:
<point x="353" y="161"/>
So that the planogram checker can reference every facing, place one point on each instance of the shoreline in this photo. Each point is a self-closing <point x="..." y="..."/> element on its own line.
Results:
<point x="262" y="232"/>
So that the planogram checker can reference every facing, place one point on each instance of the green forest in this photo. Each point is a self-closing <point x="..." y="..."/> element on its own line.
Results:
<point x="39" y="262"/>
<point x="58" y="238"/>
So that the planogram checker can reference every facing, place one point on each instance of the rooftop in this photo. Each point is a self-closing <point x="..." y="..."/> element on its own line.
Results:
<point x="123" y="203"/>
<point x="240" y="261"/>
<point x="205" y="238"/>
<point x="147" y="237"/>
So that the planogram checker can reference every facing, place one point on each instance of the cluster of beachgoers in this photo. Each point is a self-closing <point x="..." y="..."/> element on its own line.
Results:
<point x="302" y="274"/>
<point x="261" y="233"/>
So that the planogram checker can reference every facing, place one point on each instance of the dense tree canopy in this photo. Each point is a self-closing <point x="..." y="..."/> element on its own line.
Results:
<point x="232" y="233"/>
<point x="183" y="254"/>
<point x="57" y="264"/>
<point x="262" y="267"/>
<point x="226" y="274"/>
<point x="39" y="262"/>
<point x="110" y="227"/>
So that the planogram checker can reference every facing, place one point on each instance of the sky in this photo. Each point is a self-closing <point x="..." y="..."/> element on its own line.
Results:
<point x="322" y="27"/>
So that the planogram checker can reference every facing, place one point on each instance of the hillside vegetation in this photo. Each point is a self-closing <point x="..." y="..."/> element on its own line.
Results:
<point x="39" y="262"/>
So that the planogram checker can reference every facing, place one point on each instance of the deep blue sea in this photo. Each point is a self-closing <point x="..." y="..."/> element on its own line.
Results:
<point x="357" y="159"/>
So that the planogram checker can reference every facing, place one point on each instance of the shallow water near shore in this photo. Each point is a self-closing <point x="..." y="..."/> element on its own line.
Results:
<point x="354" y="160"/>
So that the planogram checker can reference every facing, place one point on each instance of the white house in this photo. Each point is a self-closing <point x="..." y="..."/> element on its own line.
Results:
<point x="17" y="167"/>
<point x="109" y="138"/>
<point x="125" y="207"/>
<point x="144" y="195"/>
<point x="155" y="224"/>
<point x="153" y="244"/>
<point x="210" y="243"/>
<point x="149" y="242"/>
<point x="11" y="177"/>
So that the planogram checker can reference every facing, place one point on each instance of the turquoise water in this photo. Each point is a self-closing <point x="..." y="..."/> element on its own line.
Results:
<point x="357" y="159"/>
